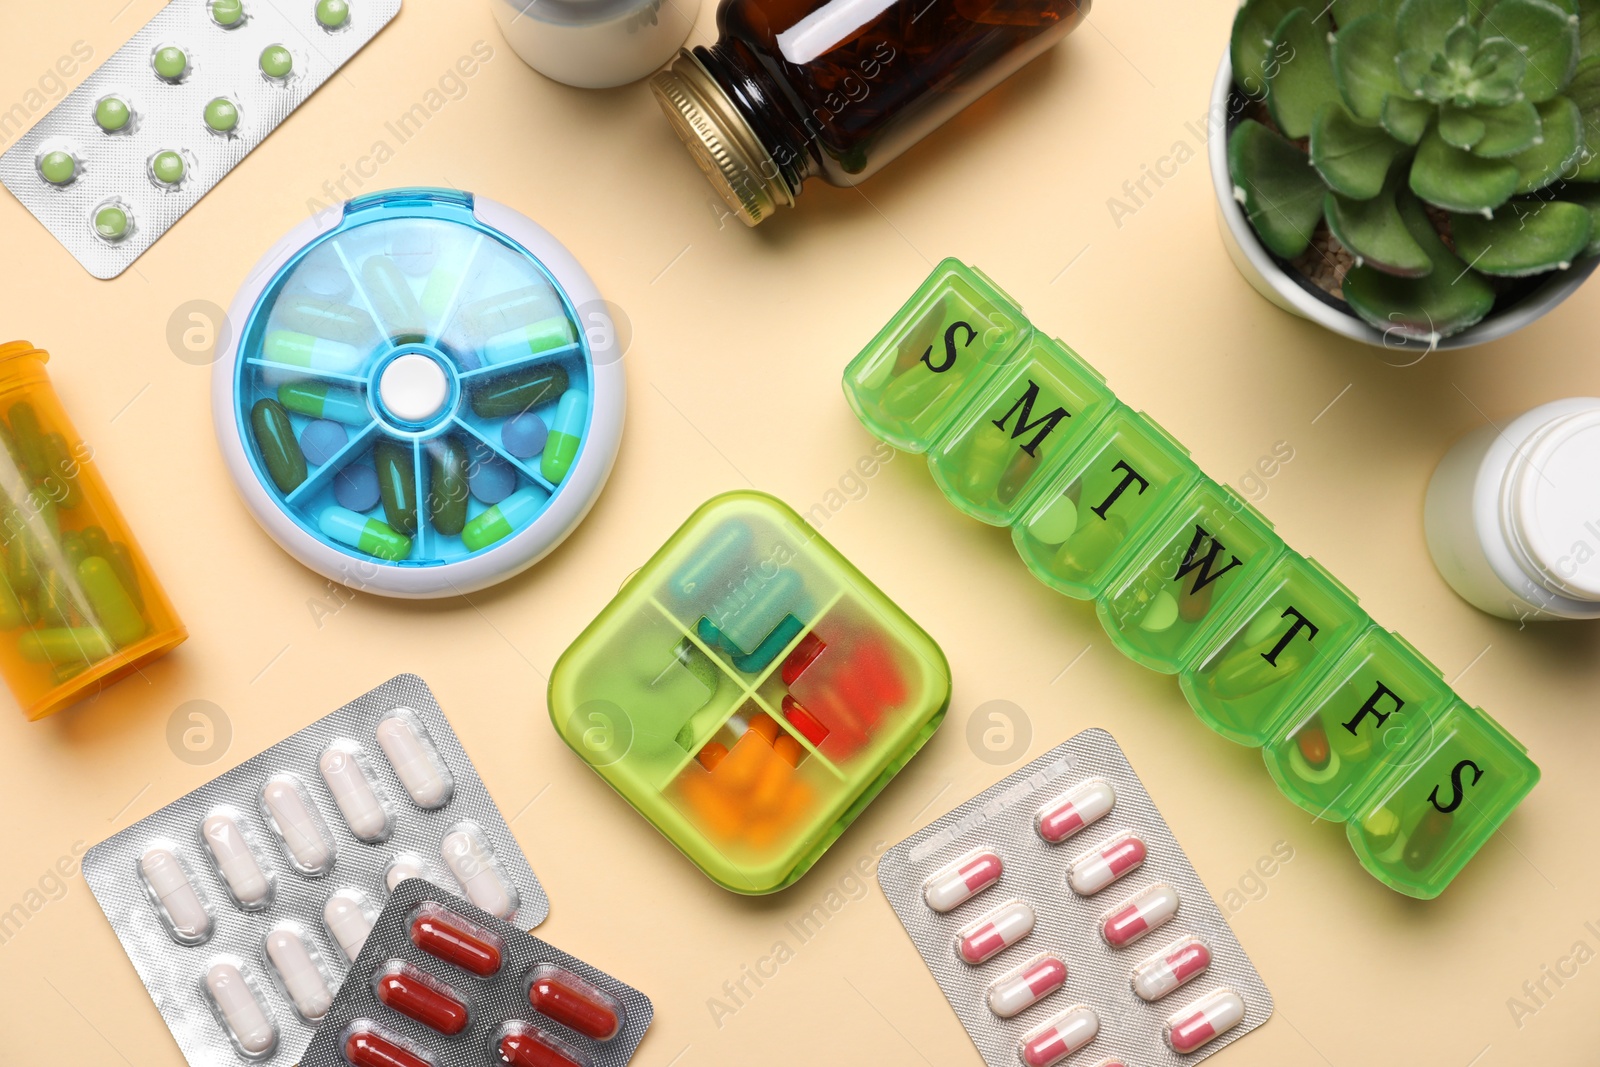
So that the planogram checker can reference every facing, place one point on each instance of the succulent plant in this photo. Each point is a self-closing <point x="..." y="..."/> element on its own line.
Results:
<point x="1487" y="110"/>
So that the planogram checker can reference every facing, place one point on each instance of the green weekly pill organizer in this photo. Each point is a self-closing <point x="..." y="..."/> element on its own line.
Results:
<point x="1271" y="651"/>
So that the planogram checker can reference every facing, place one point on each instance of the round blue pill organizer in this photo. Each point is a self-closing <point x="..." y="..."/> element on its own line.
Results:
<point x="424" y="394"/>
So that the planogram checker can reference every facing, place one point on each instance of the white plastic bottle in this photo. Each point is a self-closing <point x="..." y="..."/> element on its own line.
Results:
<point x="1513" y="515"/>
<point x="595" y="44"/>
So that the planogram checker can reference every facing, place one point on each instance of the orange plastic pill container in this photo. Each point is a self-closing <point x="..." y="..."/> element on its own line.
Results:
<point x="79" y="605"/>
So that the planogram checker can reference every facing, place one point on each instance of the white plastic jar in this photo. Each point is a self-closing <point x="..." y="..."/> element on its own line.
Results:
<point x="1513" y="516"/>
<point x="595" y="44"/>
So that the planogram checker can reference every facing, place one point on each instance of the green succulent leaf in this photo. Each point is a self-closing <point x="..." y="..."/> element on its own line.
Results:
<point x="1347" y="11"/>
<point x="1569" y="6"/>
<point x="1587" y="197"/>
<point x="1460" y="181"/>
<point x="1498" y="71"/>
<point x="1459" y="127"/>
<point x="1353" y="159"/>
<point x="1251" y="45"/>
<point x="1588" y="28"/>
<point x="1424" y="24"/>
<point x="1556" y="153"/>
<point x="1524" y="237"/>
<point x="1445" y="301"/>
<point x="1507" y="130"/>
<point x="1584" y="91"/>
<point x="1364" y="65"/>
<point x="1374" y="232"/>
<point x="1546" y="35"/>
<point x="1274" y="182"/>
<point x="1407" y="120"/>
<point x="1302" y="82"/>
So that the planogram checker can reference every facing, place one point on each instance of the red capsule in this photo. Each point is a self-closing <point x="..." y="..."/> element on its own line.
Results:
<point x="418" y="996"/>
<point x="809" y="648"/>
<point x="521" y="1045"/>
<point x="367" y="1048"/>
<point x="443" y="934"/>
<point x="562" y="996"/>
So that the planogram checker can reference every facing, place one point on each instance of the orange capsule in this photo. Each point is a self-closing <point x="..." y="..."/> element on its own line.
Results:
<point x="789" y="750"/>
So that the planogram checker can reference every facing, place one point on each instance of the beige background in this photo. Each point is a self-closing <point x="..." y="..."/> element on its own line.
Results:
<point x="739" y="340"/>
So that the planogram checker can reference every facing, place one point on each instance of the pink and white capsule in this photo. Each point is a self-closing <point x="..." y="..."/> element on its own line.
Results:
<point x="1149" y="909"/>
<point x="1170" y="968"/>
<point x="961" y="881"/>
<point x="1073" y="810"/>
<point x="1093" y="871"/>
<point x="1060" y="1038"/>
<point x="1204" y="1020"/>
<point x="1000" y="929"/>
<point x="1026" y="986"/>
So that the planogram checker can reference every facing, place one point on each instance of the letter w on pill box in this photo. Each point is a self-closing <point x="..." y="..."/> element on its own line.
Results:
<point x="749" y="691"/>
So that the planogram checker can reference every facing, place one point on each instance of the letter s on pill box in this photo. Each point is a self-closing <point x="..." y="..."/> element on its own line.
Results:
<point x="1151" y="966"/>
<point x="243" y="903"/>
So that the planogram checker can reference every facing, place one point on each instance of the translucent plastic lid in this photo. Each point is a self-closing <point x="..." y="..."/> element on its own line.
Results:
<point x="1554" y="514"/>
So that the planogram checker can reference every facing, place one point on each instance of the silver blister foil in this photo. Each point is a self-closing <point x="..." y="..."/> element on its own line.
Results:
<point x="223" y="62"/>
<point x="1001" y="820"/>
<point x="496" y="1002"/>
<point x="268" y="878"/>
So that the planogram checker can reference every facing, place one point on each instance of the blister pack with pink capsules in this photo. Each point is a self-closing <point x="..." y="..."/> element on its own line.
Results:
<point x="1061" y="919"/>
<point x="243" y="904"/>
<point x="441" y="983"/>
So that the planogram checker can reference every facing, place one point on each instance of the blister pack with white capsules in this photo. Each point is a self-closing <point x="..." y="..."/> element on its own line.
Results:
<point x="442" y="984"/>
<point x="1061" y="919"/>
<point x="153" y="128"/>
<point x="243" y="904"/>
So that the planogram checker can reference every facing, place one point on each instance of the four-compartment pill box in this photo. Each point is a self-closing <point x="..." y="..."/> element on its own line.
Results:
<point x="1354" y="724"/>
<point x="749" y="692"/>
<point x="424" y="393"/>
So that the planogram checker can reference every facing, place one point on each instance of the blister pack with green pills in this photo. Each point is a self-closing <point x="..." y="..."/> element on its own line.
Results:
<point x="1354" y="724"/>
<point x="116" y="163"/>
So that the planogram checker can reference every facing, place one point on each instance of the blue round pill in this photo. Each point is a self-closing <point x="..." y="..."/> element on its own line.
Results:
<point x="524" y="435"/>
<point x="321" y="440"/>
<point x="356" y="488"/>
<point x="491" y="480"/>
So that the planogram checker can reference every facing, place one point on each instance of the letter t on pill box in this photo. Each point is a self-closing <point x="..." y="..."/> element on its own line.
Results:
<point x="749" y="691"/>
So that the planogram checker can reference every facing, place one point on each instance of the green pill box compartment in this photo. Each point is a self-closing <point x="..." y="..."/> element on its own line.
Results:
<point x="748" y="691"/>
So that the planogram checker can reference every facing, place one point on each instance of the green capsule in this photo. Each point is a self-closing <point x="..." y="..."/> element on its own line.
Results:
<point x="512" y="394"/>
<point x="330" y="320"/>
<point x="63" y="475"/>
<point x="397" y="484"/>
<point x="280" y="452"/>
<point x="72" y="547"/>
<point x="397" y="307"/>
<point x="30" y="608"/>
<point x="22" y="563"/>
<point x="57" y="606"/>
<point x="447" y="485"/>
<point x="566" y="434"/>
<point x="113" y="609"/>
<point x="65" y="645"/>
<point x="127" y="573"/>
<point x="10" y="607"/>
<point x="29" y="436"/>
<point x="96" y="541"/>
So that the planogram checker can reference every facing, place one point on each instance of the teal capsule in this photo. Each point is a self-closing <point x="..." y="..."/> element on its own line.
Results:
<point x="113" y="608"/>
<point x="447" y="485"/>
<point x="512" y="394"/>
<point x="65" y="645"/>
<point x="397" y="484"/>
<point x="774" y="643"/>
<point x="758" y="603"/>
<point x="372" y="536"/>
<point x="312" y="353"/>
<point x="505" y="518"/>
<point x="29" y="436"/>
<point x="320" y="400"/>
<point x="530" y="340"/>
<point x="280" y="452"/>
<point x="566" y="433"/>
<point x="392" y="298"/>
<point x="330" y="320"/>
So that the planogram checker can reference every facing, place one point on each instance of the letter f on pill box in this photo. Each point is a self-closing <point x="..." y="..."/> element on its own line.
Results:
<point x="749" y="691"/>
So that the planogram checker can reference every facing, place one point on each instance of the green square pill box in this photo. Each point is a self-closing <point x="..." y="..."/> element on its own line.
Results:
<point x="749" y="692"/>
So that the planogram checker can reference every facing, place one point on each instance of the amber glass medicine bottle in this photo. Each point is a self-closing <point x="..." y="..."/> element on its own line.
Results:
<point x="836" y="88"/>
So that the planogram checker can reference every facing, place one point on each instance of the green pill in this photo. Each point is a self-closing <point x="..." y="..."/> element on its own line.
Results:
<point x="514" y="393"/>
<point x="167" y="168"/>
<point x="280" y="452"/>
<point x="112" y="606"/>
<point x="227" y="13"/>
<point x="68" y="644"/>
<point x="170" y="63"/>
<point x="397" y="485"/>
<point x="276" y="62"/>
<point x="112" y="114"/>
<point x="447" y="485"/>
<point x="221" y="115"/>
<point x="58" y="168"/>
<point x="331" y="14"/>
<point x="111" y="222"/>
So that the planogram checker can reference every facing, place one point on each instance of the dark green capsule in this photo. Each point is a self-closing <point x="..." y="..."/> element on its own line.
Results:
<point x="514" y="393"/>
<point x="22" y="563"/>
<point x="96" y="541"/>
<point x="29" y="436"/>
<point x="397" y="484"/>
<point x="122" y="563"/>
<point x="62" y="482"/>
<point x="280" y="452"/>
<point x="73" y="548"/>
<point x="447" y="485"/>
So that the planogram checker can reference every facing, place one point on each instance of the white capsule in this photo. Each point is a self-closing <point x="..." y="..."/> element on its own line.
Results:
<point x="186" y="917"/>
<point x="412" y="756"/>
<point x="1170" y="968"/>
<point x="346" y="917"/>
<point x="1205" y="1019"/>
<point x="1060" y="1038"/>
<point x="297" y="969"/>
<point x="1074" y="809"/>
<point x="240" y="1010"/>
<point x="961" y="881"/>
<point x="1094" y="870"/>
<point x="1000" y="929"/>
<point x="1026" y="986"/>
<point x="353" y="792"/>
<point x="236" y="861"/>
<point x="298" y="825"/>
<point x="406" y="865"/>
<point x="471" y="861"/>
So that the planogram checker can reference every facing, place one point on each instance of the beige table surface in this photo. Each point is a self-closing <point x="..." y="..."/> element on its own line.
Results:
<point x="738" y="341"/>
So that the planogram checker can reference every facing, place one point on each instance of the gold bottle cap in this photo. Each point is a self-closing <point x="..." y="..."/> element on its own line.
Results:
<point x="733" y="158"/>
